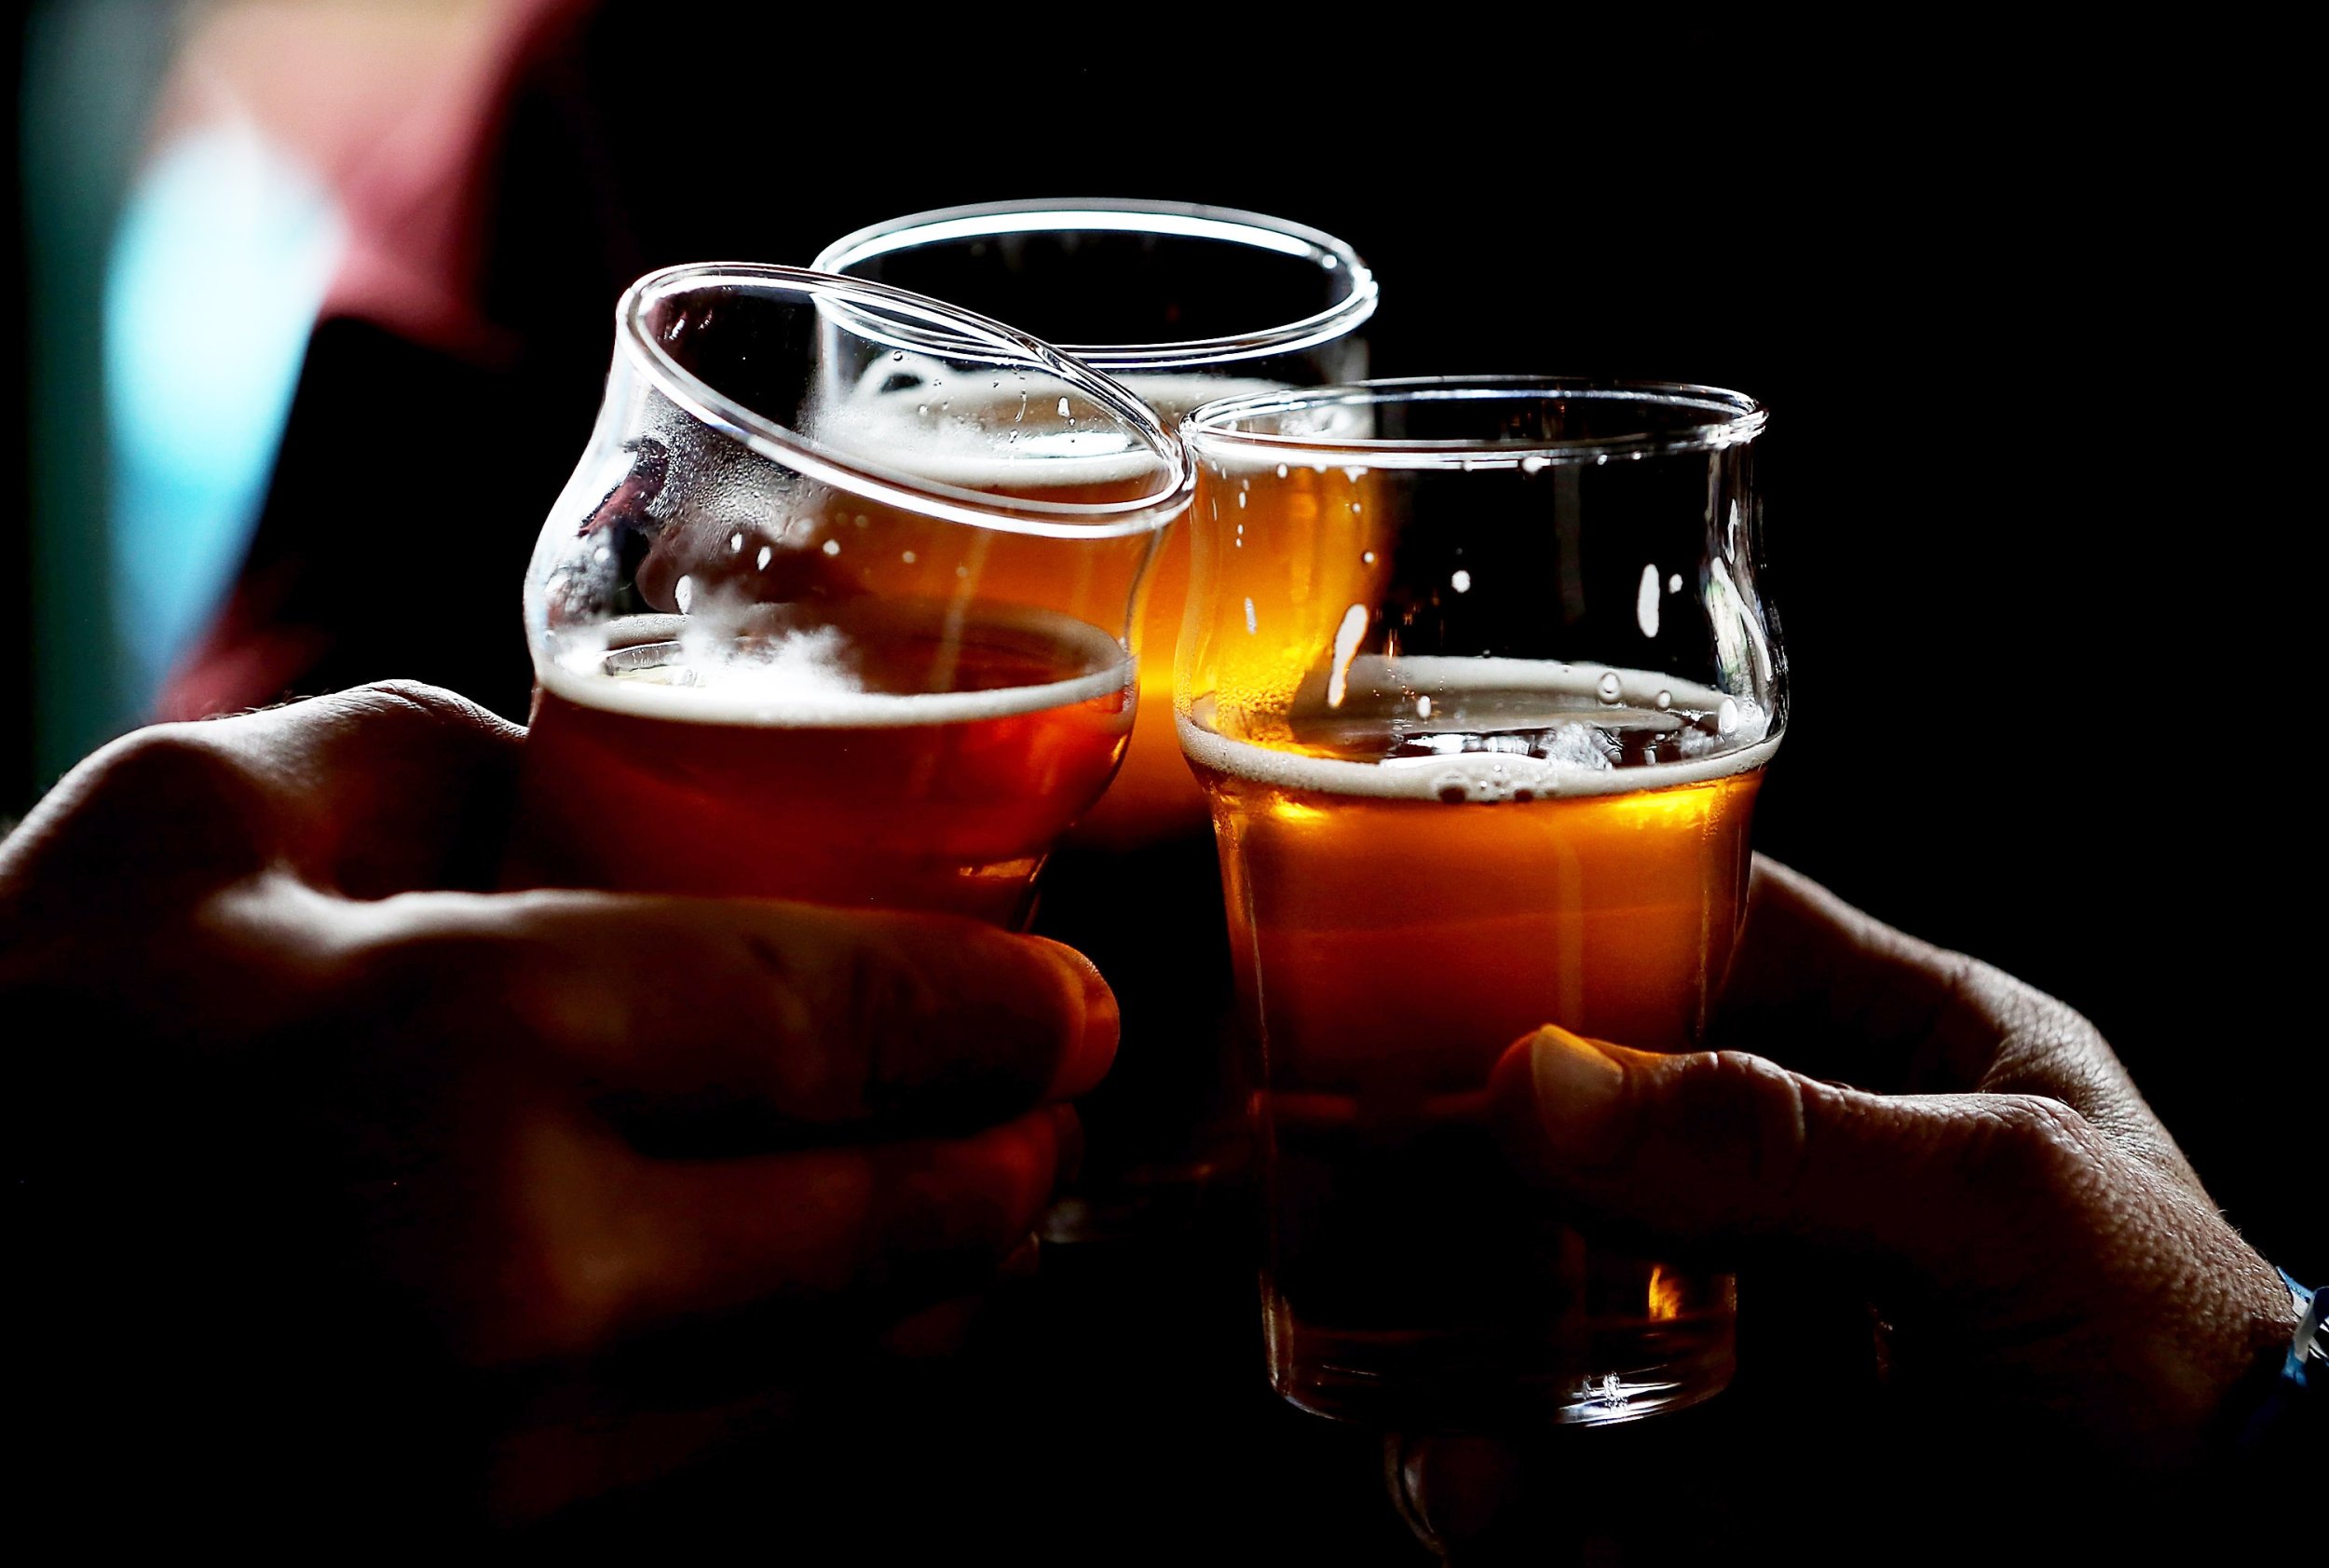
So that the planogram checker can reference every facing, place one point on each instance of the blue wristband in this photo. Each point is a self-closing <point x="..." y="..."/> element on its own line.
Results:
<point x="2303" y="1386"/>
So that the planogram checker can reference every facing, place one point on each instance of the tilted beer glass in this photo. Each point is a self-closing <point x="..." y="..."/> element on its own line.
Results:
<point x="793" y="638"/>
<point x="1478" y="678"/>
<point x="1184" y="304"/>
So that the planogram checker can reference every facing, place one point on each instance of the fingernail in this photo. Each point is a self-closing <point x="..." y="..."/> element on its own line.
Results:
<point x="1092" y="1047"/>
<point x="1578" y="1088"/>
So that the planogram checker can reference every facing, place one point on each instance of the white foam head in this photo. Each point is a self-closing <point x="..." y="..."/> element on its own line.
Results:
<point x="695" y="669"/>
<point x="1713" y="734"/>
<point x="942" y="426"/>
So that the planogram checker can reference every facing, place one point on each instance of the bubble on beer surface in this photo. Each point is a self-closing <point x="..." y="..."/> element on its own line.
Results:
<point x="1664" y="699"/>
<point x="1610" y="688"/>
<point x="1645" y="603"/>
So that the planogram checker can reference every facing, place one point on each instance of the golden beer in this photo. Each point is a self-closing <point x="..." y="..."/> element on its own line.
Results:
<point x="1396" y="934"/>
<point x="935" y="777"/>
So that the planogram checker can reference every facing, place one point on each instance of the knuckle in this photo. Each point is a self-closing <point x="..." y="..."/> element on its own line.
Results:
<point x="415" y="701"/>
<point x="2036" y="1146"/>
<point x="177" y="765"/>
<point x="1753" y="1103"/>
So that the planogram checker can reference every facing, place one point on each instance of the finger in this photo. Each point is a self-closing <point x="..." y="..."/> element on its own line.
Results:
<point x="1828" y="988"/>
<point x="628" y="1246"/>
<point x="1834" y="992"/>
<point x="367" y="792"/>
<point x="784" y="1014"/>
<point x="390" y="787"/>
<point x="1722" y="1155"/>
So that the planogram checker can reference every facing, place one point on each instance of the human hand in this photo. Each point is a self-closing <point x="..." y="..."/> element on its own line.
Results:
<point x="2051" y="1291"/>
<point x="407" y="1187"/>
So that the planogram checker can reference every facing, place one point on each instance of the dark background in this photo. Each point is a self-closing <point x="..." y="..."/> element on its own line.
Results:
<point x="2026" y="307"/>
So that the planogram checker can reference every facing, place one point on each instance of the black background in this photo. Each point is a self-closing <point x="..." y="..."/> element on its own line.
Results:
<point x="2027" y="308"/>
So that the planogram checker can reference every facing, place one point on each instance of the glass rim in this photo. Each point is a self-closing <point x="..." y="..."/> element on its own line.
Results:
<point x="970" y="333"/>
<point x="1132" y="215"/>
<point x="1733" y="418"/>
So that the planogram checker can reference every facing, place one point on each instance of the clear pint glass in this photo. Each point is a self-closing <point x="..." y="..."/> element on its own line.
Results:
<point x="783" y="647"/>
<point x="1479" y="682"/>
<point x="1183" y="305"/>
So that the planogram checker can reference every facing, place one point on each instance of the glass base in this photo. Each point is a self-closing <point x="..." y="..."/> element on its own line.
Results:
<point x="1453" y="1383"/>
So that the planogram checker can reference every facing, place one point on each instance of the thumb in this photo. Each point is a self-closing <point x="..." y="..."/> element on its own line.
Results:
<point x="1720" y="1154"/>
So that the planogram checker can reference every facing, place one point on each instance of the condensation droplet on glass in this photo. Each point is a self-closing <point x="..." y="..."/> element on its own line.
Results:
<point x="963" y="571"/>
<point x="1281" y="470"/>
<point x="683" y="594"/>
<point x="922" y="409"/>
<point x="1610" y="688"/>
<point x="1241" y="497"/>
<point x="1063" y="409"/>
<point x="1366" y="558"/>
<point x="1535" y="465"/>
<point x="1726" y="716"/>
<point x="898" y="353"/>
<point x="736" y="543"/>
<point x="1674" y="584"/>
<point x="1665" y="700"/>
<point x="1645" y="602"/>
<point x="1423" y="707"/>
<point x="907" y="557"/>
<point x="765" y="556"/>
<point x="1460" y="581"/>
<point x="832" y="547"/>
<point x="1600" y="457"/>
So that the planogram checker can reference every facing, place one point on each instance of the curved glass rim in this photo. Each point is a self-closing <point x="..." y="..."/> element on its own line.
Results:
<point x="968" y="333"/>
<point x="1125" y="215"/>
<point x="1733" y="418"/>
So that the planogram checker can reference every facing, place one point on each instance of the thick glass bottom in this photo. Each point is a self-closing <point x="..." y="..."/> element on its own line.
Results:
<point x="1482" y="1381"/>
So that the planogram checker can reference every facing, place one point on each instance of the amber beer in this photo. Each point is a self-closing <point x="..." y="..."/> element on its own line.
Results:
<point x="924" y="756"/>
<point x="1409" y="895"/>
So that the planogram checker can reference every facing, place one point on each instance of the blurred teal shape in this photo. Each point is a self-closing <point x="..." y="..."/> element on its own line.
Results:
<point x="91" y="69"/>
<point x="223" y="251"/>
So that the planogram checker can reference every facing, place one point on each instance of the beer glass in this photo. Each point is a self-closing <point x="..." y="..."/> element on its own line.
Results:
<point x="787" y="643"/>
<point x="1184" y="304"/>
<point x="1480" y="680"/>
